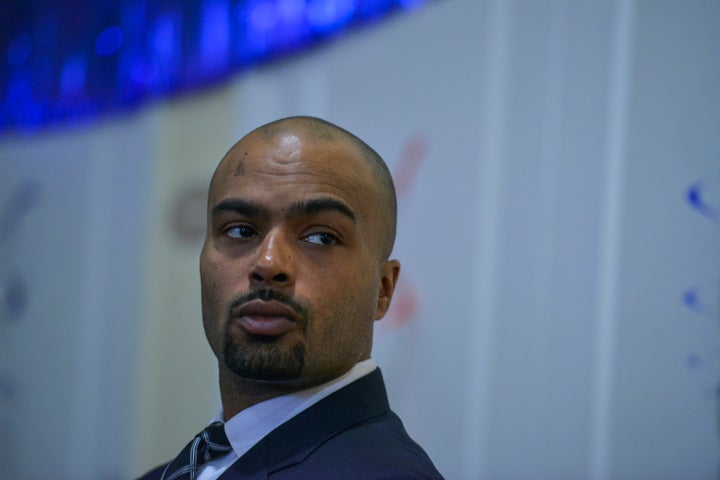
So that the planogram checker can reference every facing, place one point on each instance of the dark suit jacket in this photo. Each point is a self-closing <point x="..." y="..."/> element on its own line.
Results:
<point x="350" y="434"/>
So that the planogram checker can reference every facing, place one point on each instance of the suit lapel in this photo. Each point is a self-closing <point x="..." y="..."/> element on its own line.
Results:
<point x="293" y="441"/>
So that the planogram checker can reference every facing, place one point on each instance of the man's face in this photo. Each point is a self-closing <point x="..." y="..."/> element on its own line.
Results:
<point x="290" y="269"/>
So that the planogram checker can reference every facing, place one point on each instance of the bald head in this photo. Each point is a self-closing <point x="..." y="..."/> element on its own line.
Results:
<point x="321" y="131"/>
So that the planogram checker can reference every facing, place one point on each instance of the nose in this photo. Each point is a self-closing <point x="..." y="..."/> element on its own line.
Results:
<point x="273" y="263"/>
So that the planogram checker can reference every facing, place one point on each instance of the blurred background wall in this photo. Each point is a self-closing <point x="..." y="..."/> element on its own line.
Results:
<point x="557" y="317"/>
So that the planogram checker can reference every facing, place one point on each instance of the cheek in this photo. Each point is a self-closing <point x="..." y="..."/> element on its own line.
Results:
<point x="211" y="314"/>
<point x="213" y="303"/>
<point x="220" y="277"/>
<point x="348" y="309"/>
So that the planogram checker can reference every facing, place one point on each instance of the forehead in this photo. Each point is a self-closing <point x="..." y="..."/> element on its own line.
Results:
<point x="293" y="165"/>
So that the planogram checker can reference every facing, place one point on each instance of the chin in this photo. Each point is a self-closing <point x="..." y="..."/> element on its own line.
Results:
<point x="266" y="362"/>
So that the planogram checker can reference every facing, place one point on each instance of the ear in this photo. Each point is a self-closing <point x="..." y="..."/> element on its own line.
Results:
<point x="389" y="273"/>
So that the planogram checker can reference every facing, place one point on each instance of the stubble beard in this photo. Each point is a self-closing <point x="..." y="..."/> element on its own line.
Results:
<point x="264" y="360"/>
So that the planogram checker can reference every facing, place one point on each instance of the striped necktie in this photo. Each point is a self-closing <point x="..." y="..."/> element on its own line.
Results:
<point x="207" y="445"/>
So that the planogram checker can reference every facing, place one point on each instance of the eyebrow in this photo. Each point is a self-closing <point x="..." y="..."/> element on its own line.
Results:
<point x="319" y="205"/>
<point x="239" y="206"/>
<point x="303" y="207"/>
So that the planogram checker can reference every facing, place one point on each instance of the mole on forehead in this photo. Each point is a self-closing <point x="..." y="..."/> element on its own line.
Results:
<point x="240" y="166"/>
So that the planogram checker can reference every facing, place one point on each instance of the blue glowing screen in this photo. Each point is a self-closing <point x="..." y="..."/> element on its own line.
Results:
<point x="76" y="59"/>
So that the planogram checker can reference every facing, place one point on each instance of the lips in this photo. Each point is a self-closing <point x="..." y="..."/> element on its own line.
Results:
<point x="266" y="318"/>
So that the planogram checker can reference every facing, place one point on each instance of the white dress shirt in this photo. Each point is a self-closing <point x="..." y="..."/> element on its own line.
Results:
<point x="249" y="426"/>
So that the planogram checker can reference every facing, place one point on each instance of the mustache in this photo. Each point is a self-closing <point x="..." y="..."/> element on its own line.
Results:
<point x="266" y="295"/>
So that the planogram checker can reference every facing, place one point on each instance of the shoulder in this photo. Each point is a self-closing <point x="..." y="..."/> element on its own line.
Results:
<point x="378" y="448"/>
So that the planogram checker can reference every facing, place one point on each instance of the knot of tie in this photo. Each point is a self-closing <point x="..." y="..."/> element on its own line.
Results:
<point x="207" y="445"/>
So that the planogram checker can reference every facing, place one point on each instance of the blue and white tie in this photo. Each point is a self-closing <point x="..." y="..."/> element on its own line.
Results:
<point x="207" y="445"/>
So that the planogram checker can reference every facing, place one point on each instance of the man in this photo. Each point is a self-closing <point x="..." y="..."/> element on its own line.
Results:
<point x="294" y="271"/>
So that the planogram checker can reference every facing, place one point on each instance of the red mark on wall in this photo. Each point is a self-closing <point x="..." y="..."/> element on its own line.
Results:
<point x="406" y="169"/>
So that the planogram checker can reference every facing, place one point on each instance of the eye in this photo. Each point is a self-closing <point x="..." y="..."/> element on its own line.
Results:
<point x="322" y="238"/>
<point x="240" y="231"/>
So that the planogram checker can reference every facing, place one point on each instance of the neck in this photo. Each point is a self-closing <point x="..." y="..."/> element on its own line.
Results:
<point x="238" y="393"/>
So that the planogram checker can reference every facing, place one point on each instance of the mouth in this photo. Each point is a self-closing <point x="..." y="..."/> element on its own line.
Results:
<point x="268" y="319"/>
